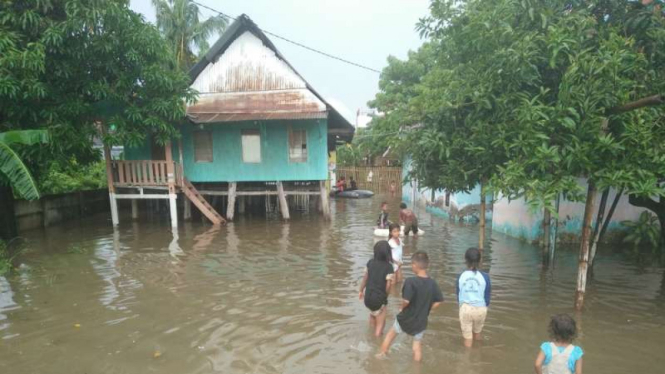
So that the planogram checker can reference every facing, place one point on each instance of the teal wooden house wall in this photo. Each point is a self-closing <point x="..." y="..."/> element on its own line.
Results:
<point x="228" y="165"/>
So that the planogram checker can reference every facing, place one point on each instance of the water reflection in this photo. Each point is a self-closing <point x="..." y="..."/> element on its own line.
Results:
<point x="6" y="303"/>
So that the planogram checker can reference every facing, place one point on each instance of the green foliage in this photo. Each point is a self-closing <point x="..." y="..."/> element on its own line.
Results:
<point x="71" y="176"/>
<point x="65" y="65"/>
<point x="646" y="230"/>
<point x="524" y="95"/>
<point x="12" y="169"/>
<point x="5" y="261"/>
<point x="178" y="20"/>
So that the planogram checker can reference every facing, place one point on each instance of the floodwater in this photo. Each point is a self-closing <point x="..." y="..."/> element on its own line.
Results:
<point x="262" y="296"/>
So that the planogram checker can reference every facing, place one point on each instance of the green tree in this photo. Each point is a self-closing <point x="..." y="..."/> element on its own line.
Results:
<point x="528" y="96"/>
<point x="178" y="20"/>
<point x="68" y="66"/>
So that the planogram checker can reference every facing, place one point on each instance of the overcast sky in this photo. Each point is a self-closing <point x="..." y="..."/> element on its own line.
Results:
<point x="363" y="31"/>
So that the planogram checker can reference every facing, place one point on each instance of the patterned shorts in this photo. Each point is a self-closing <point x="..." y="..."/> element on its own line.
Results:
<point x="472" y="319"/>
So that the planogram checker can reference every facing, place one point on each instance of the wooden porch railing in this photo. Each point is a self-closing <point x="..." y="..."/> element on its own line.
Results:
<point x="136" y="173"/>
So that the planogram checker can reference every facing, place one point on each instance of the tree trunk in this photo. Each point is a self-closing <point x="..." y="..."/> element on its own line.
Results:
<point x="554" y="228"/>
<point x="600" y="217"/>
<point x="584" y="247"/>
<point x="606" y="224"/>
<point x="481" y="238"/>
<point x="8" y="229"/>
<point x="547" y="217"/>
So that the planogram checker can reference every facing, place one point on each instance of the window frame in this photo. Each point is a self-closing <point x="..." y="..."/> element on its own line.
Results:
<point x="250" y="132"/>
<point x="301" y="160"/>
<point x="195" y="134"/>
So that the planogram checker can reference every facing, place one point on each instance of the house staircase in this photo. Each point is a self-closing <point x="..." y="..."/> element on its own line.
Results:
<point x="195" y="197"/>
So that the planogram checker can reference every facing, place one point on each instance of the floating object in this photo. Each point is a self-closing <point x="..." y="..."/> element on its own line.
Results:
<point x="157" y="354"/>
<point x="77" y="325"/>
<point x="384" y="232"/>
<point x="352" y="194"/>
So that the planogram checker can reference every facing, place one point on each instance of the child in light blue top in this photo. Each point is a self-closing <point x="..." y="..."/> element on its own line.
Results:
<point x="560" y="356"/>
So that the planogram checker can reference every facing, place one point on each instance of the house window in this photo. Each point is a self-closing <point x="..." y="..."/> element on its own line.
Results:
<point x="297" y="145"/>
<point x="203" y="146"/>
<point x="251" y="146"/>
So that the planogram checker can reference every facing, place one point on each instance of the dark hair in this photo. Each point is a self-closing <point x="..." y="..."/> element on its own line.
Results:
<point x="382" y="251"/>
<point x="391" y="227"/>
<point x="351" y="177"/>
<point x="402" y="206"/>
<point x="472" y="257"/>
<point x="421" y="259"/>
<point x="384" y="203"/>
<point x="562" y="328"/>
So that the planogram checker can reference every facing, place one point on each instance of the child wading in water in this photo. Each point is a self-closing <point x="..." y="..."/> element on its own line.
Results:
<point x="408" y="219"/>
<point x="397" y="250"/>
<point x="473" y="290"/>
<point x="376" y="285"/>
<point x="383" y="222"/>
<point x="420" y="295"/>
<point x="560" y="356"/>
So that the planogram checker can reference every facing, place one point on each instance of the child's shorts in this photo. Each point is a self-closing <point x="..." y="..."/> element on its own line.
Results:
<point x="378" y="311"/>
<point x="472" y="319"/>
<point x="398" y="330"/>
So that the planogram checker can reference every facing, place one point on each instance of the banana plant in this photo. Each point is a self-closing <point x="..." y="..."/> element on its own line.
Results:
<point x="12" y="169"/>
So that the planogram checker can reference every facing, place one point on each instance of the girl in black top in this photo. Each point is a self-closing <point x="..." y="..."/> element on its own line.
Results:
<point x="376" y="284"/>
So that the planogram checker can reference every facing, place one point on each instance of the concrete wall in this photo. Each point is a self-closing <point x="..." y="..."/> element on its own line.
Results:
<point x="514" y="218"/>
<point x="464" y="206"/>
<point x="53" y="209"/>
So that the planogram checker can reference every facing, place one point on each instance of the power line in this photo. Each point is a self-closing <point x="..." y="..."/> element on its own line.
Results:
<point x="293" y="42"/>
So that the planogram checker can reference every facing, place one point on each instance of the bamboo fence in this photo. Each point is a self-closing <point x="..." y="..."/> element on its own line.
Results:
<point x="382" y="176"/>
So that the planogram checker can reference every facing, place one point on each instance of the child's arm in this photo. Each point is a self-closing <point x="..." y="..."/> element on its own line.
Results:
<point x="578" y="366"/>
<point x="436" y="305"/>
<point x="539" y="362"/>
<point x="405" y="303"/>
<point x="361" y="293"/>
<point x="389" y="285"/>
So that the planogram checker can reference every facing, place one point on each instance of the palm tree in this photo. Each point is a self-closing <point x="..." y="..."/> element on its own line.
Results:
<point x="178" y="21"/>
<point x="12" y="169"/>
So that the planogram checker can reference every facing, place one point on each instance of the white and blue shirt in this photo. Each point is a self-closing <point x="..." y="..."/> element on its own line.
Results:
<point x="474" y="288"/>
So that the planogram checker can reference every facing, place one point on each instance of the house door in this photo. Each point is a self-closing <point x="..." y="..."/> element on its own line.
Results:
<point x="157" y="151"/>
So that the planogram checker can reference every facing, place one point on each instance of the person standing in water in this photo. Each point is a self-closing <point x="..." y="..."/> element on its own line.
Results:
<point x="376" y="285"/>
<point x="397" y="250"/>
<point x="420" y="295"/>
<point x="473" y="289"/>
<point x="408" y="219"/>
<point x="383" y="222"/>
<point x="354" y="185"/>
<point x="560" y="356"/>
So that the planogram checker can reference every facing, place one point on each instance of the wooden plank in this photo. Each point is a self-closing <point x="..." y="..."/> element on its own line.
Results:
<point x="141" y="196"/>
<point x="325" y="206"/>
<point x="121" y="172"/>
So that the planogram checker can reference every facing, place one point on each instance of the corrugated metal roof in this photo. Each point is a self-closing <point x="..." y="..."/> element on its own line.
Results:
<point x="244" y="77"/>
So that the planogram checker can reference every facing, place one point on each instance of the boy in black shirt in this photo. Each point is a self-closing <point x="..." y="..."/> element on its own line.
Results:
<point x="420" y="294"/>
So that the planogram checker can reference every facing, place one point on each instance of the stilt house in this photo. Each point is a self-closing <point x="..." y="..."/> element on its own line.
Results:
<point x="257" y="130"/>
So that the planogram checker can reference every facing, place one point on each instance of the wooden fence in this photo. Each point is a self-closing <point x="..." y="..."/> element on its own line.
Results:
<point x="382" y="177"/>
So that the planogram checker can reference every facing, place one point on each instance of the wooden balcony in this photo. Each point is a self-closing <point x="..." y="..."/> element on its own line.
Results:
<point x="144" y="173"/>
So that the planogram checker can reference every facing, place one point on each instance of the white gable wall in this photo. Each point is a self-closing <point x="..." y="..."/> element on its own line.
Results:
<point x="247" y="65"/>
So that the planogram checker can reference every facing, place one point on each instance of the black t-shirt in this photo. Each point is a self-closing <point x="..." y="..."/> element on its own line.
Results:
<point x="375" y="289"/>
<point x="421" y="293"/>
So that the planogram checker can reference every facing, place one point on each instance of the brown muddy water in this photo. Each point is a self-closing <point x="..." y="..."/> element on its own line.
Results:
<point x="262" y="296"/>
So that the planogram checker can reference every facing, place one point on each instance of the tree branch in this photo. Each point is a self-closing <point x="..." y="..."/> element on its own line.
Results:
<point x="644" y="202"/>
<point x="646" y="101"/>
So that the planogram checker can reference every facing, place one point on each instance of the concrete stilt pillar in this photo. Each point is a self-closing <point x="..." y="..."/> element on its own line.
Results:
<point x="325" y="206"/>
<point x="174" y="210"/>
<point x="135" y="209"/>
<point x="114" y="209"/>
<point x="230" y="209"/>
<point x="283" y="204"/>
